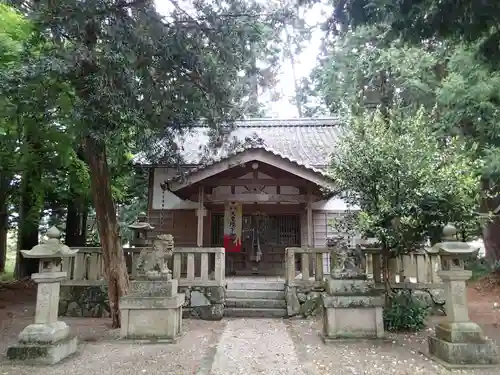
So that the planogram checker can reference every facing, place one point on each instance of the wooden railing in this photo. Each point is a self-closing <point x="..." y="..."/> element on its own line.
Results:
<point x="416" y="268"/>
<point x="190" y="266"/>
<point x="306" y="255"/>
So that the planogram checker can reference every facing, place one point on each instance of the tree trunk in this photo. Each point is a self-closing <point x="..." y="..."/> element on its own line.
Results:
<point x="76" y="222"/>
<point x="491" y="237"/>
<point x="4" y="218"/>
<point x="77" y="212"/>
<point x="491" y="229"/>
<point x="3" y="233"/>
<point x="112" y="252"/>
<point x="30" y="210"/>
<point x="386" y="255"/>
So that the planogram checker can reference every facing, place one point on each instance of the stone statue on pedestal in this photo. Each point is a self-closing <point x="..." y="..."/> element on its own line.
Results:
<point x="345" y="262"/>
<point x="153" y="262"/>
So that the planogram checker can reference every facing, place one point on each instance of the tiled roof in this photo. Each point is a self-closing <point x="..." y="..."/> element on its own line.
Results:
<point x="308" y="142"/>
<point x="239" y="152"/>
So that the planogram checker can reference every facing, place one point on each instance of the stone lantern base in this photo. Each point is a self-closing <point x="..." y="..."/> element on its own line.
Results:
<point x="43" y="353"/>
<point x="48" y="340"/>
<point x="462" y="345"/>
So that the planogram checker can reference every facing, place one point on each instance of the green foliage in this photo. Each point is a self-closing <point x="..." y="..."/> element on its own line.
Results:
<point x="350" y="70"/>
<point x="426" y="20"/>
<point x="406" y="181"/>
<point x="405" y="313"/>
<point x="478" y="265"/>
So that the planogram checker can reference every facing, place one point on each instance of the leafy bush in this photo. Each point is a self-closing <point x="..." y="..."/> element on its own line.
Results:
<point x="479" y="267"/>
<point x="404" y="312"/>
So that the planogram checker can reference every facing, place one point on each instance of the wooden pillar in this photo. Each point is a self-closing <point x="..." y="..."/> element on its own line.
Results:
<point x="309" y="219"/>
<point x="306" y="257"/>
<point x="199" y="236"/>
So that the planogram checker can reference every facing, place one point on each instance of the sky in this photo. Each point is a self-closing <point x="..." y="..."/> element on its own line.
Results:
<point x="304" y="63"/>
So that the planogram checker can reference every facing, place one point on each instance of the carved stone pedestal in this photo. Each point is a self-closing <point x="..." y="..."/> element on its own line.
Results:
<point x="152" y="311"/>
<point x="352" y="309"/>
<point x="47" y="341"/>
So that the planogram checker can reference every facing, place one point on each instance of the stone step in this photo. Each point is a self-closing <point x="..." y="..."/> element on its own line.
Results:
<point x="247" y="303"/>
<point x="256" y="285"/>
<point x="236" y="312"/>
<point x="256" y="294"/>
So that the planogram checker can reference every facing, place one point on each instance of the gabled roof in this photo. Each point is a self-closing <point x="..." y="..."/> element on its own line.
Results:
<point x="305" y="140"/>
<point x="258" y="153"/>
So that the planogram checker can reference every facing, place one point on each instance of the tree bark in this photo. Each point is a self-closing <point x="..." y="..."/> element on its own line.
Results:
<point x="76" y="222"/>
<point x="30" y="210"/>
<point x="491" y="237"/>
<point x="386" y="255"/>
<point x="77" y="212"/>
<point x="112" y="252"/>
<point x="491" y="229"/>
<point x="3" y="232"/>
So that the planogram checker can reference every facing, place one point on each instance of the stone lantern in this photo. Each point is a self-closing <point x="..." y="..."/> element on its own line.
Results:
<point x="458" y="342"/>
<point x="47" y="340"/>
<point x="141" y="228"/>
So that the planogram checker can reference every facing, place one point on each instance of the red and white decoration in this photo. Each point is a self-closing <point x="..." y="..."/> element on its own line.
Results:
<point x="233" y="223"/>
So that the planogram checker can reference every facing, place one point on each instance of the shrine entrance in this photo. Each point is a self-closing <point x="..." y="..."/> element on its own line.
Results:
<point x="265" y="235"/>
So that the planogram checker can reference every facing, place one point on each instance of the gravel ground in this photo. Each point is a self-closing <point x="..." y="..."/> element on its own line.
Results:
<point x="99" y="354"/>
<point x="234" y="346"/>
<point x="256" y="346"/>
<point x="400" y="355"/>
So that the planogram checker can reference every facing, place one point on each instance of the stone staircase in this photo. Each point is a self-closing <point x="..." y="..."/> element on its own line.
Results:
<point x="255" y="297"/>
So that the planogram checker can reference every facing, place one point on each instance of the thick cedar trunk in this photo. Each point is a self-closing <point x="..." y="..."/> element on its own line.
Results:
<point x="77" y="212"/>
<point x="112" y="252"/>
<point x="30" y="211"/>
<point x="4" y="222"/>
<point x="3" y="233"/>
<point x="76" y="222"/>
<point x="491" y="237"/>
<point x="491" y="229"/>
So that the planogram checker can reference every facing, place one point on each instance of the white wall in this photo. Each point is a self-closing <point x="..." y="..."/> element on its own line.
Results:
<point x="172" y="202"/>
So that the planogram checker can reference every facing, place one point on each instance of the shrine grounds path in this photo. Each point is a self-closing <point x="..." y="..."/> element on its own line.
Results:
<point x="233" y="347"/>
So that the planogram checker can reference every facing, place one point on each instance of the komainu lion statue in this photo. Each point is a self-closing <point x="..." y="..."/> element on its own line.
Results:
<point x="153" y="261"/>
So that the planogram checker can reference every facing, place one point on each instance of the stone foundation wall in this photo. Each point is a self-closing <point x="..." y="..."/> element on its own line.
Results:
<point x="434" y="303"/>
<point x="84" y="301"/>
<point x="205" y="303"/>
<point x="306" y="301"/>
<point x="303" y="301"/>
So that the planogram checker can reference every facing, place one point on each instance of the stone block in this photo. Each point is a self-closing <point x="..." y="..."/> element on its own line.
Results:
<point x="353" y="301"/>
<point x="36" y="353"/>
<point x="292" y="301"/>
<point x="460" y="332"/>
<point x="345" y="323"/>
<point x="204" y="302"/>
<point x="348" y="287"/>
<point x="352" y="309"/>
<point x="199" y="299"/>
<point x="44" y="333"/>
<point x="151" y="303"/>
<point x="151" y="318"/>
<point x="470" y="354"/>
<point x="211" y="312"/>
<point x="152" y="288"/>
